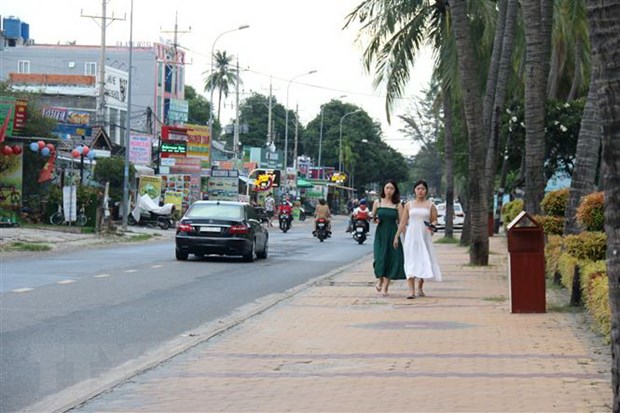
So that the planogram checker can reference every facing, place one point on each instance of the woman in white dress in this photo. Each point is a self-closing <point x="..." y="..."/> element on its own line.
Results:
<point x="420" y="260"/>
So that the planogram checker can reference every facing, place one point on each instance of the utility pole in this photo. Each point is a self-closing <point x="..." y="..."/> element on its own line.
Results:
<point x="175" y="43"/>
<point x="236" y="131"/>
<point x="104" y="25"/>
<point x="269" y="139"/>
<point x="296" y="137"/>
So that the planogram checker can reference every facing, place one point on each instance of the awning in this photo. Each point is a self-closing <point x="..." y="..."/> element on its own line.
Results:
<point x="302" y="183"/>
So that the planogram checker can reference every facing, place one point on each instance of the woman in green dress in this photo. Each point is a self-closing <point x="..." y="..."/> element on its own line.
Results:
<point x="389" y="261"/>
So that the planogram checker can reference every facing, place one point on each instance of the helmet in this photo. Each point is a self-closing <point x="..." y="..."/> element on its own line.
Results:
<point x="362" y="201"/>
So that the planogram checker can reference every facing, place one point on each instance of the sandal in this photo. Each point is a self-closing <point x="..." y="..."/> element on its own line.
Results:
<point x="410" y="297"/>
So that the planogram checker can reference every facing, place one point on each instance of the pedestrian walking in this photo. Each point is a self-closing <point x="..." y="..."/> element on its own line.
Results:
<point x="418" y="220"/>
<point x="270" y="204"/>
<point x="388" y="257"/>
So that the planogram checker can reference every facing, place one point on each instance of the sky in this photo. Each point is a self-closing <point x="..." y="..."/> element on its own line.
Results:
<point x="286" y="38"/>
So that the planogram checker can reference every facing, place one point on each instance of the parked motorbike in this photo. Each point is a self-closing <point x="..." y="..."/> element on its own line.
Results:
<point x="320" y="230"/>
<point x="302" y="214"/>
<point x="285" y="222"/>
<point x="360" y="229"/>
<point x="148" y="213"/>
<point x="262" y="215"/>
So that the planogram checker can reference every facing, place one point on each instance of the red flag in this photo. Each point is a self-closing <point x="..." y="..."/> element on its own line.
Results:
<point x="5" y="125"/>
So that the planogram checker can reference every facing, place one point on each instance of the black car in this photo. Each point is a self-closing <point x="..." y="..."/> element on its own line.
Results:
<point x="223" y="228"/>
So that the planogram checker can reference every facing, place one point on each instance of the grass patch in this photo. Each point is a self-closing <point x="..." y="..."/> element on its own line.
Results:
<point x="26" y="246"/>
<point x="496" y="298"/>
<point x="563" y="308"/>
<point x="140" y="237"/>
<point x="446" y="240"/>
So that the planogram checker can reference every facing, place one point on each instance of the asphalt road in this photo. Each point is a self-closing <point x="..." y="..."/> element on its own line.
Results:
<point x="74" y="317"/>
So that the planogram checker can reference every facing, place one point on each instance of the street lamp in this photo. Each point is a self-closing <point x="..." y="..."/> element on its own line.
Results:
<point x="340" y="145"/>
<point x="286" y="119"/>
<point x="245" y="26"/>
<point x="321" y="176"/>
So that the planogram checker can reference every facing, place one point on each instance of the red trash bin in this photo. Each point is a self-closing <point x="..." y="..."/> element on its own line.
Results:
<point x="526" y="248"/>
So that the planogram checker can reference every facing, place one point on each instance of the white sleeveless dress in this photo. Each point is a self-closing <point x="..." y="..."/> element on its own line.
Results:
<point x="420" y="260"/>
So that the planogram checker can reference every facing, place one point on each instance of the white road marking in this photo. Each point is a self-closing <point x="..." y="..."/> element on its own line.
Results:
<point x="66" y="282"/>
<point x="156" y="266"/>
<point x="102" y="275"/>
<point x="131" y="270"/>
<point x="22" y="290"/>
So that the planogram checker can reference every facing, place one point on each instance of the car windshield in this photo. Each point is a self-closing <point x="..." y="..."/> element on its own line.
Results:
<point x="215" y="211"/>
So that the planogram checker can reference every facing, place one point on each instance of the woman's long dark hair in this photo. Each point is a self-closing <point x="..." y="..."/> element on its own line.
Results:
<point x="396" y="196"/>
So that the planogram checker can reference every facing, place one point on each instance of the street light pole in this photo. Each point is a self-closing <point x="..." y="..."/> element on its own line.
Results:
<point x="340" y="145"/>
<point x="286" y="119"/>
<point x="245" y="26"/>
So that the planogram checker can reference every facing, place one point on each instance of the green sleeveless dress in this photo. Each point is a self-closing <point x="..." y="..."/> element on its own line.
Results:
<point x="389" y="261"/>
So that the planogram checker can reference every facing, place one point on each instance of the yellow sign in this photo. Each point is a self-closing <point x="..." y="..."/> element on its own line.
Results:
<point x="339" y="177"/>
<point x="263" y="182"/>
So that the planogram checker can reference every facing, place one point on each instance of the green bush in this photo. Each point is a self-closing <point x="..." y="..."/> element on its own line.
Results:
<point x="551" y="225"/>
<point x="596" y="297"/>
<point x="553" y="249"/>
<point x="591" y="212"/>
<point x="554" y="203"/>
<point x="586" y="245"/>
<point x="511" y="210"/>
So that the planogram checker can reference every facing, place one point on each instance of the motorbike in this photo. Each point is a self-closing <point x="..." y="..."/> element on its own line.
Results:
<point x="360" y="229"/>
<point x="321" y="229"/>
<point x="148" y="213"/>
<point x="285" y="222"/>
<point x="262" y="215"/>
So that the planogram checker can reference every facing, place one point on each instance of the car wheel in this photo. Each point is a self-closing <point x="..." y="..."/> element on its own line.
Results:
<point x="181" y="255"/>
<point x="264" y="252"/>
<point x="251" y="255"/>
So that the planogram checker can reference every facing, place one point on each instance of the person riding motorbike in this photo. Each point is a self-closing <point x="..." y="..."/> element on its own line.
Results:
<point x="361" y="213"/>
<point x="322" y="211"/>
<point x="286" y="208"/>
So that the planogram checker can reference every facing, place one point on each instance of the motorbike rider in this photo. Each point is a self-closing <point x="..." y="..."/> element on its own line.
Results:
<point x="362" y="213"/>
<point x="322" y="211"/>
<point x="286" y="208"/>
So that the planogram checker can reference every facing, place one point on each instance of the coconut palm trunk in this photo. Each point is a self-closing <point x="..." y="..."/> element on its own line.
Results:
<point x="536" y="19"/>
<point x="472" y="102"/>
<point x="604" y="16"/>
<point x="586" y="157"/>
<point x="499" y="95"/>
<point x="449" y="162"/>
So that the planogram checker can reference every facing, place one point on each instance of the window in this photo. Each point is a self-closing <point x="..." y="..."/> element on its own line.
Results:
<point x="90" y="68"/>
<point x="23" y="66"/>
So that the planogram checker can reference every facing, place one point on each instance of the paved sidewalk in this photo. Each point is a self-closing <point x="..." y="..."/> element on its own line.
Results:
<point x="339" y="347"/>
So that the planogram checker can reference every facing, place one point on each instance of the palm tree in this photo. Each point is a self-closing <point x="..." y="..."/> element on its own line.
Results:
<point x="223" y="78"/>
<point x="479" y="248"/>
<point x="605" y="40"/>
<point x="537" y="16"/>
<point x="497" y="82"/>
<point x="586" y="158"/>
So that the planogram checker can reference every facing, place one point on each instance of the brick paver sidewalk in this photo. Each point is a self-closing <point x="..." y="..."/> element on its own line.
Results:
<point x="339" y="347"/>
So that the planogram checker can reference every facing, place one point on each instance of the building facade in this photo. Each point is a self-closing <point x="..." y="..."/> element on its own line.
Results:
<point x="158" y="80"/>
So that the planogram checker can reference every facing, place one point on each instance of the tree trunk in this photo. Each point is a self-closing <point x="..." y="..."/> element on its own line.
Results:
<point x="479" y="247"/>
<point x="586" y="157"/>
<point x="536" y="71"/>
<point x="449" y="162"/>
<point x="576" y="83"/>
<point x="499" y="99"/>
<point x="604" y="16"/>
